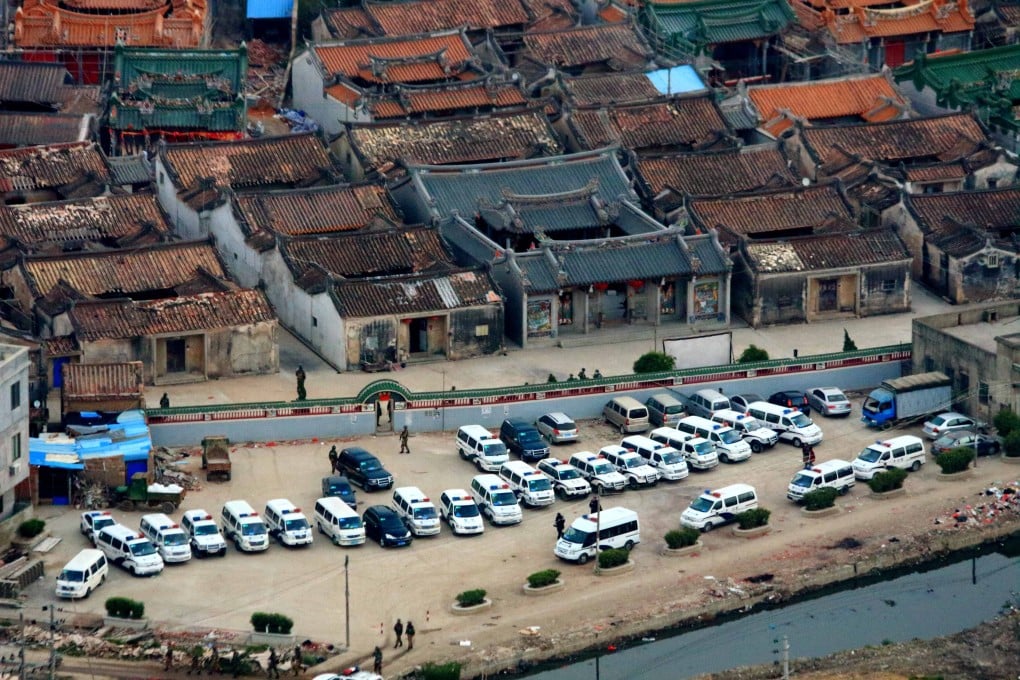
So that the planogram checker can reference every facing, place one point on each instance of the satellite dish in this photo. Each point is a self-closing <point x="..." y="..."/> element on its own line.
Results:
<point x="805" y="182"/>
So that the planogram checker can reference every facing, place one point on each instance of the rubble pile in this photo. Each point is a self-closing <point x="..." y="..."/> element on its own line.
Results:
<point x="93" y="494"/>
<point x="267" y="73"/>
<point x="995" y="504"/>
<point x="168" y="469"/>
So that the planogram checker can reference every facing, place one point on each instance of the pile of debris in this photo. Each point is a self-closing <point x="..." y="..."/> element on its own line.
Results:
<point x="168" y="469"/>
<point x="267" y="73"/>
<point x="995" y="504"/>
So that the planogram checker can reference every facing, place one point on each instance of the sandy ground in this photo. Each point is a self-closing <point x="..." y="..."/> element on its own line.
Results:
<point x="420" y="582"/>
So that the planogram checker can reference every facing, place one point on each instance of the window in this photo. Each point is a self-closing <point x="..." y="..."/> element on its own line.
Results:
<point x="315" y="322"/>
<point x="15" y="395"/>
<point x="983" y="395"/>
<point x="964" y="382"/>
<point x="16" y="447"/>
<point x="929" y="363"/>
<point x="889" y="285"/>
<point x="992" y="182"/>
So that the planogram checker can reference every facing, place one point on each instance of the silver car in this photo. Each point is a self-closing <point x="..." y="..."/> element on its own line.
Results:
<point x="829" y="401"/>
<point x="557" y="428"/>
<point x="948" y="422"/>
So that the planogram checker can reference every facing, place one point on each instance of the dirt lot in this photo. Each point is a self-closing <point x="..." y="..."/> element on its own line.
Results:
<point x="420" y="582"/>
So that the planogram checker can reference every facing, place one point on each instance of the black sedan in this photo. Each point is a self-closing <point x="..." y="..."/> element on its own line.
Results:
<point x="985" y="444"/>
<point x="791" y="399"/>
<point x="382" y="524"/>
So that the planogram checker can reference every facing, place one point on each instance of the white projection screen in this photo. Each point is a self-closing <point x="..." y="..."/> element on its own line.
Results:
<point x="703" y="350"/>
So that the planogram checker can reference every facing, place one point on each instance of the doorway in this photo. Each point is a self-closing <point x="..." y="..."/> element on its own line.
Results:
<point x="418" y="336"/>
<point x="175" y="355"/>
<point x="828" y="297"/>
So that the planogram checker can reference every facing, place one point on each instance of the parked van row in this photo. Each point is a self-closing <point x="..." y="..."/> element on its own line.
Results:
<point x="729" y="445"/>
<point x="718" y="507"/>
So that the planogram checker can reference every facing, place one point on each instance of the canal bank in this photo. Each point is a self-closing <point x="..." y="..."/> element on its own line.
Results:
<point x="850" y="564"/>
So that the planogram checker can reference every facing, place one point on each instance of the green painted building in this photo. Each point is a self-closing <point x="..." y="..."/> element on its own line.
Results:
<point x="984" y="81"/>
<point x="176" y="95"/>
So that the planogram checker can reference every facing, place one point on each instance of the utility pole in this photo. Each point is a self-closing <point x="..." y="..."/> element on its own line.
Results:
<point x="598" y="537"/>
<point x="53" y="641"/>
<point x="347" y="602"/>
<point x="21" y="644"/>
<point x="786" y="658"/>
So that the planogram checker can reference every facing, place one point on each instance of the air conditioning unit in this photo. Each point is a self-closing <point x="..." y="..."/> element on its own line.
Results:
<point x="14" y="469"/>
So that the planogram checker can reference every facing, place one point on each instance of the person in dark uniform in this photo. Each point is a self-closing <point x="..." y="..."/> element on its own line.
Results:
<point x="560" y="523"/>
<point x="404" y="434"/>
<point x="164" y="401"/>
<point x="334" y="460"/>
<point x="594" y="505"/>
<point x="410" y="635"/>
<point x="273" y="671"/>
<point x="300" y="375"/>
<point x="398" y="629"/>
<point x="377" y="661"/>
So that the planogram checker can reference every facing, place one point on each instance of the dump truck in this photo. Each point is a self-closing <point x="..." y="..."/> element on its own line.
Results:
<point x="216" y="457"/>
<point x="906" y="399"/>
<point x="140" y="495"/>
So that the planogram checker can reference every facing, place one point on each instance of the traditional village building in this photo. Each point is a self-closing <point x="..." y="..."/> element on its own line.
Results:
<point x="592" y="49"/>
<point x="627" y="87"/>
<point x="52" y="173"/>
<point x="966" y="245"/>
<point x="38" y="105"/>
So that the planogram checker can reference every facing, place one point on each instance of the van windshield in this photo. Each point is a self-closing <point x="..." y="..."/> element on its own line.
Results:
<point x="205" y="530"/>
<point x="582" y="538"/>
<point x="142" y="548"/>
<point x="800" y="420"/>
<point x="466" y="510"/>
<point x="101" y="522"/>
<point x="542" y="484"/>
<point x="703" y="448"/>
<point x="568" y="473"/>
<point x="426" y="512"/>
<point x="504" y="498"/>
<point x="634" y="462"/>
<point x="602" y="468"/>
<point x="253" y="529"/>
<point x="349" y="522"/>
<point x="729" y="436"/>
<point x="702" y="504"/>
<point x="368" y="465"/>
<point x="674" y="409"/>
<point x="803" y="480"/>
<point x="175" y="538"/>
<point x="870" y="455"/>
<point x="671" y="457"/>
<point x="71" y="575"/>
<point x="494" y="448"/>
<point x="295" y="524"/>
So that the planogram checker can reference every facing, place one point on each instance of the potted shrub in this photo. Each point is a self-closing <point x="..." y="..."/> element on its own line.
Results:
<point x="124" y="612"/>
<point x="440" y="671"/>
<point x="888" y="483"/>
<point x="471" y="601"/>
<point x="1011" y="447"/>
<point x="271" y="629"/>
<point x="1006" y="422"/>
<point x="955" y="463"/>
<point x="682" y="541"/>
<point x="542" y="582"/>
<point x="820" y="502"/>
<point x="614" y="561"/>
<point x="753" y="522"/>
<point x="31" y="528"/>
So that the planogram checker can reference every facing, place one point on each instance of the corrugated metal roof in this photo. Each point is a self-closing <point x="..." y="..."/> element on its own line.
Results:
<point x="32" y="82"/>
<point x="414" y="295"/>
<point x="32" y="129"/>
<point x="103" y="380"/>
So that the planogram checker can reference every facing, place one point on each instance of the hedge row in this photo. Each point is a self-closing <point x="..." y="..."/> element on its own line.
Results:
<point x="267" y="622"/>
<point x="125" y="608"/>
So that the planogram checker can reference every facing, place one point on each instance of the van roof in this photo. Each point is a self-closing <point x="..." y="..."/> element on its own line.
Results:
<point x="122" y="532"/>
<point x="519" y="466"/>
<point x="895" y="441"/>
<point x="642" y="439"/>
<point x="629" y="402"/>
<point x="413" y="494"/>
<point x="84" y="558"/>
<point x="826" y="466"/>
<point x="614" y="514"/>
<point x="478" y="430"/>
<point x="487" y="479"/>
<point x="160" y="521"/>
<point x="665" y="397"/>
<point x="238" y="506"/>
<point x="198" y="515"/>
<point x="282" y="505"/>
<point x="335" y="505"/>
<point x="698" y="421"/>
<point x="459" y="495"/>
<point x="729" y="490"/>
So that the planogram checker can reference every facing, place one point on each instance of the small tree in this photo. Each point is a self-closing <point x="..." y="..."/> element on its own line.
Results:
<point x="753" y="518"/>
<point x="31" y="528"/>
<point x="541" y="579"/>
<point x="752" y="354"/>
<point x="955" y="460"/>
<point x="1011" y="444"/>
<point x="848" y="344"/>
<point x="819" y="499"/>
<point x="614" y="557"/>
<point x="471" y="598"/>
<point x="681" y="538"/>
<point x="887" y="480"/>
<point x="1006" y="422"/>
<point x="124" y="608"/>
<point x="654" y="362"/>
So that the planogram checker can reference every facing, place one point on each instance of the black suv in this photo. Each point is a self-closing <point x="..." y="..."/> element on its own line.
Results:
<point x="384" y="525"/>
<point x="791" y="399"/>
<point x="524" y="439"/>
<point x="364" y="469"/>
<point x="340" y="487"/>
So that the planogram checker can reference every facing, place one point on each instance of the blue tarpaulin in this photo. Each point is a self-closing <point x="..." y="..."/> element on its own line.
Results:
<point x="128" y="437"/>
<point x="270" y="9"/>
<point x="676" y="80"/>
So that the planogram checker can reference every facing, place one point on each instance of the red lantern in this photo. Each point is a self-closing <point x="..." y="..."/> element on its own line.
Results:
<point x="636" y="284"/>
<point x="602" y="286"/>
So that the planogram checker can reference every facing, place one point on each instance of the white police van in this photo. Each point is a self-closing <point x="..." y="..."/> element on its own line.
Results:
<point x="417" y="511"/>
<point x="609" y="528"/>
<point x="205" y="535"/>
<point x="287" y="523"/>
<point x="243" y="526"/>
<point x="460" y="511"/>
<point x="170" y="540"/>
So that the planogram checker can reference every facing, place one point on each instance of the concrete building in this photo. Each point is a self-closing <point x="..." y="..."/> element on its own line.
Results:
<point x="13" y="423"/>
<point x="978" y="347"/>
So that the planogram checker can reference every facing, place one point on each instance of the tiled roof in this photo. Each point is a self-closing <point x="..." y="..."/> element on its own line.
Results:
<point x="319" y="210"/>
<point x="97" y="222"/>
<point x="582" y="263"/>
<point x="291" y="160"/>
<point x="445" y="98"/>
<point x="619" y="46"/>
<point x="43" y="167"/>
<point x="722" y="172"/>
<point x="778" y="210"/>
<point x="980" y="78"/>
<point x="464" y="188"/>
<point x="349" y="22"/>
<point x="171" y="23"/>
<point x="414" y="295"/>
<point x="463" y="140"/>
<point x="60" y="346"/>
<point x="829" y="251"/>
<point x="124" y="319"/>
<point x="694" y="25"/>
<point x="863" y="22"/>
<point x="136" y="169"/>
<point x="125" y="272"/>
<point x="32" y="129"/>
<point x="871" y="98"/>
<point x="1008" y="12"/>
<point x="551" y="15"/>
<point x="403" y="59"/>
<point x="990" y="210"/>
<point x="939" y="138"/>
<point x="32" y="82"/>
<point x="678" y="123"/>
<point x="935" y="172"/>
<point x="103" y="380"/>
<point x="574" y="213"/>
<point x="420" y="16"/>
<point x="385" y="252"/>
<point x="611" y="88"/>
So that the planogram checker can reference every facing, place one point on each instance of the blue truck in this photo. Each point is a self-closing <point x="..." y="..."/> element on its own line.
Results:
<point x="908" y="398"/>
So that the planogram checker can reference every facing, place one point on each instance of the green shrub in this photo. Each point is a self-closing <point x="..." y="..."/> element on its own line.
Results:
<point x="31" y="528"/>
<point x="752" y="354"/>
<point x="471" y="598"/>
<point x="848" y="344"/>
<point x="551" y="378"/>
<point x="887" y="480"/>
<point x="753" y="518"/>
<point x="614" y="557"/>
<point x="955" y="460"/>
<point x="269" y="622"/>
<point x="654" y="362"/>
<point x="1011" y="444"/>
<point x="1006" y="422"/>
<point x="440" y="671"/>
<point x="682" y="537"/>
<point x="819" y="499"/>
<point x="541" y="579"/>
<point x="125" y="608"/>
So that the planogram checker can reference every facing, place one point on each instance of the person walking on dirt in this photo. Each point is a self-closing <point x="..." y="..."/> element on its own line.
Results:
<point x="559" y="523"/>
<point x="168" y="660"/>
<point x="273" y="671"/>
<point x="410" y="636"/>
<point x="377" y="661"/>
<point x="196" y="660"/>
<point x="164" y="401"/>
<point x="334" y="460"/>
<point x="295" y="665"/>
<point x="594" y="505"/>
<point x="398" y="629"/>
<point x="404" y="434"/>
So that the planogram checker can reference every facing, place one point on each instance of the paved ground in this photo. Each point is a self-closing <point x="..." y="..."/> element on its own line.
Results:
<point x="534" y="365"/>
